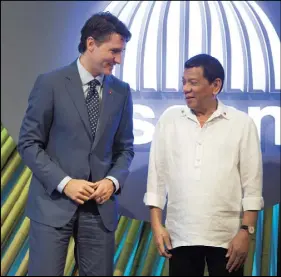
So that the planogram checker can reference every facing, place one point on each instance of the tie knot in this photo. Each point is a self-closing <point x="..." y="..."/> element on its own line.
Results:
<point x="94" y="83"/>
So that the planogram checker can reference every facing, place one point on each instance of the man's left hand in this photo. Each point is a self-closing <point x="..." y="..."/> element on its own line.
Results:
<point x="104" y="190"/>
<point x="238" y="250"/>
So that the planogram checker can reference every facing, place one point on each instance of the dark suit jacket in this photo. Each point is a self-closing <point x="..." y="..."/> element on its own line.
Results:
<point x="55" y="141"/>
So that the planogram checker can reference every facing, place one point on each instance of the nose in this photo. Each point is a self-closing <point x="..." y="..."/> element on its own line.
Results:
<point x="186" y="89"/>
<point x="117" y="58"/>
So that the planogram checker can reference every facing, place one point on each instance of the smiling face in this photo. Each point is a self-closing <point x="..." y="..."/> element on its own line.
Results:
<point x="104" y="56"/>
<point x="198" y="91"/>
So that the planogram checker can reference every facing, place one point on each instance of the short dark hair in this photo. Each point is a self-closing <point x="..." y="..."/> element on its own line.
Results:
<point x="100" y="26"/>
<point x="212" y="68"/>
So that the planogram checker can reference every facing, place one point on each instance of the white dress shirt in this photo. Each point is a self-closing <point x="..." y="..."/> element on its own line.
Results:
<point x="208" y="175"/>
<point x="87" y="77"/>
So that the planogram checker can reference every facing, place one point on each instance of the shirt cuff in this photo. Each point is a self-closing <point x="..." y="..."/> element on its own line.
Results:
<point x="151" y="199"/>
<point x="63" y="183"/>
<point x="115" y="182"/>
<point x="252" y="203"/>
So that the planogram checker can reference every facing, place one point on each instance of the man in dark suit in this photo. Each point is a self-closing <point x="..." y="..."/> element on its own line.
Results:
<point x="77" y="138"/>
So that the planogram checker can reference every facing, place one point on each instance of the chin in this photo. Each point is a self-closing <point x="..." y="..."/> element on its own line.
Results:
<point x="190" y="105"/>
<point x="107" y="71"/>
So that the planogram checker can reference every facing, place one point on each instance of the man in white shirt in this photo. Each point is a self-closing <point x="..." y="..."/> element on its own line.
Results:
<point x="206" y="163"/>
<point x="77" y="138"/>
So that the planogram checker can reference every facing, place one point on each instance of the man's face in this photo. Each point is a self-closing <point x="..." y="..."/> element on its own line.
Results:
<point x="106" y="55"/>
<point x="197" y="90"/>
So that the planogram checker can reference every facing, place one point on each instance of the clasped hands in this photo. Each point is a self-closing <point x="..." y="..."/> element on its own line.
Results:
<point x="81" y="191"/>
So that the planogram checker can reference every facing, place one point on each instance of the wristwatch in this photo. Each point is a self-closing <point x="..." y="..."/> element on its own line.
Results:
<point x="249" y="229"/>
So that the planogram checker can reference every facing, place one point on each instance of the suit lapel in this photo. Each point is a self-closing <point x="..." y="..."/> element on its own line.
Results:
<point x="74" y="88"/>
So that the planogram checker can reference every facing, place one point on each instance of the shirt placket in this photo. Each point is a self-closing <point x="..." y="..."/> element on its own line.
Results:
<point x="199" y="152"/>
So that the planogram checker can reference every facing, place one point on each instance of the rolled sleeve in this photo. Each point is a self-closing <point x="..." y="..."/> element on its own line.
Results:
<point x="251" y="170"/>
<point x="152" y="199"/>
<point x="252" y="203"/>
<point x="156" y="189"/>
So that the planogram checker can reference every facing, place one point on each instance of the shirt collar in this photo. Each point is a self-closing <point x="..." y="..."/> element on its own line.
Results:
<point x="85" y="75"/>
<point x="220" y="111"/>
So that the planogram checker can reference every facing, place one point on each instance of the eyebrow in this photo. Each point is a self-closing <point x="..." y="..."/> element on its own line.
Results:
<point x="191" y="79"/>
<point x="118" y="49"/>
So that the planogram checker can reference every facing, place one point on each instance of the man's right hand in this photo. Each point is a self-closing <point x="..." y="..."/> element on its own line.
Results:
<point x="79" y="190"/>
<point x="162" y="240"/>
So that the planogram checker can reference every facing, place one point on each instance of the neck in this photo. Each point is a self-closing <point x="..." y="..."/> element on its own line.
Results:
<point x="86" y="62"/>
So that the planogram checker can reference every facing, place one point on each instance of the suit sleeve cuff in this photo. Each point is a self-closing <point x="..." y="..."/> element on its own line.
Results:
<point x="115" y="182"/>
<point x="63" y="183"/>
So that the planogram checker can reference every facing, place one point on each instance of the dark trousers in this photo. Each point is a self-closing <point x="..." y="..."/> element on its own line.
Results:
<point x="94" y="245"/>
<point x="190" y="261"/>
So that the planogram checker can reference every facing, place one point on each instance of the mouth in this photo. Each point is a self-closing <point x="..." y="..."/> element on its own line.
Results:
<point x="189" y="98"/>
<point x="109" y="66"/>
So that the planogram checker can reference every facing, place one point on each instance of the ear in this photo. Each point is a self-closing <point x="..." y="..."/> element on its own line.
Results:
<point x="91" y="44"/>
<point x="217" y="83"/>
